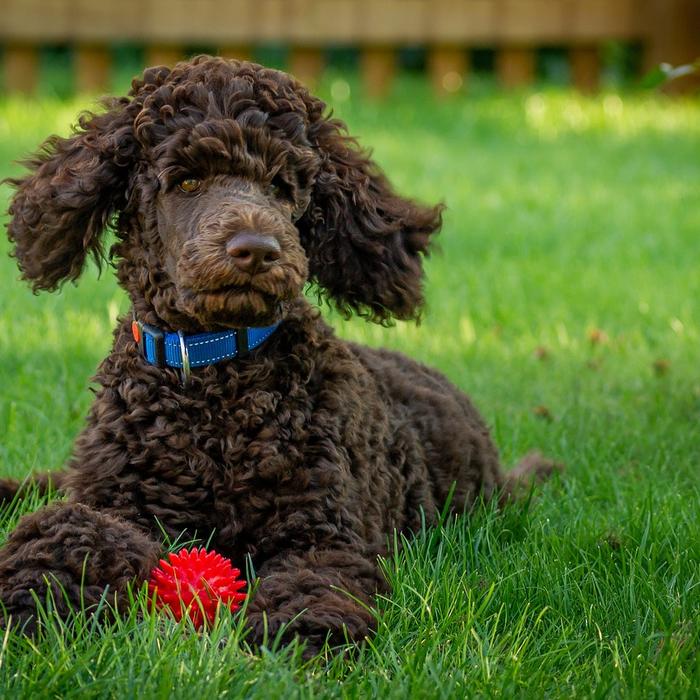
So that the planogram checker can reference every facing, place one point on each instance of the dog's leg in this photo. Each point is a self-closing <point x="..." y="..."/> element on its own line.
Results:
<point x="320" y="595"/>
<point x="76" y="554"/>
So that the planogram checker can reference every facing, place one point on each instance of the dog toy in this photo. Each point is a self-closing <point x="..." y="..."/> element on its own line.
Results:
<point x="195" y="583"/>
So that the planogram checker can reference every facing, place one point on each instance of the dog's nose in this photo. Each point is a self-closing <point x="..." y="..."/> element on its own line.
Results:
<point x="253" y="252"/>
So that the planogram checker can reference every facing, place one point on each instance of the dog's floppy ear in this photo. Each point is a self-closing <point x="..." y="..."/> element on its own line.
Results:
<point x="62" y="206"/>
<point x="364" y="242"/>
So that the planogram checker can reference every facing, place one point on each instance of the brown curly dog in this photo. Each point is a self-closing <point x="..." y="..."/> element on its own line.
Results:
<point x="227" y="405"/>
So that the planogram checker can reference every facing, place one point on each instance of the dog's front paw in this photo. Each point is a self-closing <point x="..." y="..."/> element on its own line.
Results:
<point x="330" y="621"/>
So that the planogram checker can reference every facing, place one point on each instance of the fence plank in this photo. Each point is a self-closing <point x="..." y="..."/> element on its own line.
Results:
<point x="306" y="65"/>
<point x="462" y="21"/>
<point x="378" y="66"/>
<point x="269" y="21"/>
<point x="21" y="68"/>
<point x="530" y="21"/>
<point x="585" y="67"/>
<point x="515" y="66"/>
<point x="160" y="55"/>
<point x="316" y="23"/>
<point x="447" y="66"/>
<point x="385" y="22"/>
<point x="598" y="20"/>
<point x="92" y="66"/>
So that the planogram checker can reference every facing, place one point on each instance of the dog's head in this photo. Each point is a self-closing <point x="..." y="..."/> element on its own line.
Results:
<point x="228" y="188"/>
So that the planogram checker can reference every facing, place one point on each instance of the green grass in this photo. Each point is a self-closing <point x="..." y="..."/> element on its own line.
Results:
<point x="565" y="301"/>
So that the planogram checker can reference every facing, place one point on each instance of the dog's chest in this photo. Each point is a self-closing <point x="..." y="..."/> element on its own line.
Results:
<point x="229" y="456"/>
<point x="256" y="452"/>
<point x="193" y="461"/>
<point x="258" y="433"/>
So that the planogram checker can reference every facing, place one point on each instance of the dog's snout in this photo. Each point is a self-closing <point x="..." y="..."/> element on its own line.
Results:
<point x="253" y="252"/>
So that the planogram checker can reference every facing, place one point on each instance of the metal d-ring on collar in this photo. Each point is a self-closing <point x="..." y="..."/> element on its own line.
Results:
<point x="185" y="355"/>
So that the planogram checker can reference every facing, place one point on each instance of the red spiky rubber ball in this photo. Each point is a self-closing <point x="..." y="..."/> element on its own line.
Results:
<point x="194" y="583"/>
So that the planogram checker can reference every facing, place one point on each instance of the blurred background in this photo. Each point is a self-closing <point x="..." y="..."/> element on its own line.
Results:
<point x="58" y="47"/>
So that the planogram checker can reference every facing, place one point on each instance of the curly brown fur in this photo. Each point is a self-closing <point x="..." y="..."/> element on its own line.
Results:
<point x="304" y="454"/>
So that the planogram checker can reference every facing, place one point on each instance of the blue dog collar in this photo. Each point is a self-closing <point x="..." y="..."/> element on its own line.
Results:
<point x="164" y="349"/>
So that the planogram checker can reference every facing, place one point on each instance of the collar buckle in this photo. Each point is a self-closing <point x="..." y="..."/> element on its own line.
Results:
<point x="151" y="342"/>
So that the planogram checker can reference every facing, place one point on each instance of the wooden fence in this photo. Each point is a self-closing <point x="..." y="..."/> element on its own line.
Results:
<point x="668" y="30"/>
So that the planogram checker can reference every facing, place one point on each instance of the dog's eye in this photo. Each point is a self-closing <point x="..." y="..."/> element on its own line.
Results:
<point x="190" y="185"/>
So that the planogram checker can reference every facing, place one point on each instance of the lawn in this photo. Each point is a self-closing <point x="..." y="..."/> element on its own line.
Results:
<point x="565" y="299"/>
